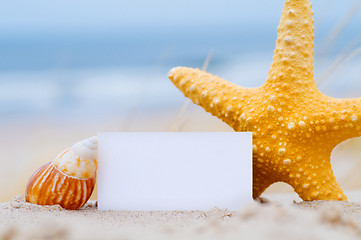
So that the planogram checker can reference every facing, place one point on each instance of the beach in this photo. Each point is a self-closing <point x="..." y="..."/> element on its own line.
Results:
<point x="278" y="219"/>
<point x="29" y="143"/>
<point x="76" y="71"/>
<point x="284" y="215"/>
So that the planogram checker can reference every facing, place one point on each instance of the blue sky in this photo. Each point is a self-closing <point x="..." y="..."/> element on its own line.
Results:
<point x="39" y="15"/>
<point x="43" y="32"/>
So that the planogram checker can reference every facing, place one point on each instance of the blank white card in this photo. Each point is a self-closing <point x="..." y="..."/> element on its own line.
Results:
<point x="146" y="171"/>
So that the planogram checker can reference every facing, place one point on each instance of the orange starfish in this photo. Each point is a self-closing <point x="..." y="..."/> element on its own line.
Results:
<point x="295" y="126"/>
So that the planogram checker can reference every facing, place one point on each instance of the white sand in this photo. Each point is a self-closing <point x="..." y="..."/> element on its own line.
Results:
<point x="306" y="220"/>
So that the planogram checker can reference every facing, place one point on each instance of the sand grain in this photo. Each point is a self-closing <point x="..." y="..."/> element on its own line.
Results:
<point x="305" y="220"/>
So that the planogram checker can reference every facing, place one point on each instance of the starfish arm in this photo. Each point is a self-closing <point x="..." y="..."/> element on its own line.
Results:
<point x="221" y="98"/>
<point x="338" y="119"/>
<point x="304" y="163"/>
<point x="316" y="181"/>
<point x="292" y="65"/>
<point x="348" y="117"/>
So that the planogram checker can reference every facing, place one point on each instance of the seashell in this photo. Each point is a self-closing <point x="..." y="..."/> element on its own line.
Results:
<point x="68" y="180"/>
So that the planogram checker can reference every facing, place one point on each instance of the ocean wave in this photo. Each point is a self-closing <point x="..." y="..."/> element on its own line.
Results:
<point x="110" y="90"/>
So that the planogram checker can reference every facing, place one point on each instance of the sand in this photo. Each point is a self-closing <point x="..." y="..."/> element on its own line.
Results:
<point x="279" y="219"/>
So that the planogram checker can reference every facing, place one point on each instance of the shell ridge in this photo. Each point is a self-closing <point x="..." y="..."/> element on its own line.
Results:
<point x="39" y="175"/>
<point x="45" y="187"/>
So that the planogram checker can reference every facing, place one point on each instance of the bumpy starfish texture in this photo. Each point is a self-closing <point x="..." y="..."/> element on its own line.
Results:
<point x="295" y="126"/>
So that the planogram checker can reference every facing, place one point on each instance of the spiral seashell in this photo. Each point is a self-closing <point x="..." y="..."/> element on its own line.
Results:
<point x="68" y="180"/>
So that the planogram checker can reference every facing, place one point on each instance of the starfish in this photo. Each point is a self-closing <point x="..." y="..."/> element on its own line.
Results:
<point x="295" y="127"/>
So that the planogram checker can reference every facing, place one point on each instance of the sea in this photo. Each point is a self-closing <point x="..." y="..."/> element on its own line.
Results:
<point x="71" y="73"/>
